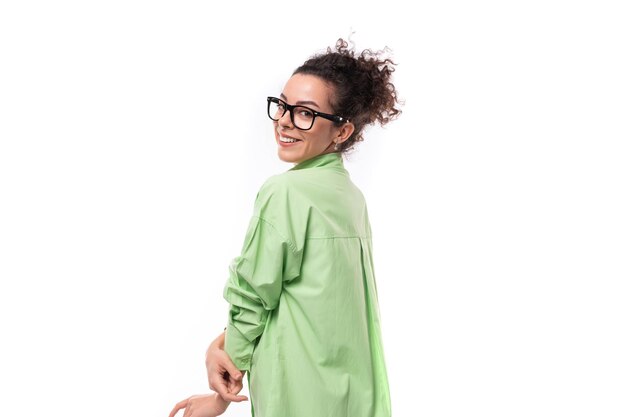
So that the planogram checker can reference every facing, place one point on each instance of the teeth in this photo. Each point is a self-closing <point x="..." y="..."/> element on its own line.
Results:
<point x="288" y="140"/>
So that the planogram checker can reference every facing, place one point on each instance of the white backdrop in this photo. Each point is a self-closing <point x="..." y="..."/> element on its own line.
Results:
<point x="133" y="139"/>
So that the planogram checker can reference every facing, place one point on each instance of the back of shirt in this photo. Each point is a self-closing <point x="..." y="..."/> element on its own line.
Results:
<point x="316" y="349"/>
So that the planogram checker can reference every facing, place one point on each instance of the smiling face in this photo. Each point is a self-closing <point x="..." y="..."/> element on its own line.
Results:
<point x="313" y="92"/>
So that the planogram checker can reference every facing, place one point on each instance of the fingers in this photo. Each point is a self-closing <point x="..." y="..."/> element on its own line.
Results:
<point x="187" y="411"/>
<point x="232" y="369"/>
<point x="222" y="389"/>
<point x="232" y="385"/>
<point x="178" y="406"/>
<point x="192" y="405"/>
<point x="221" y="358"/>
<point x="224" y="377"/>
<point x="235" y="386"/>
<point x="236" y="398"/>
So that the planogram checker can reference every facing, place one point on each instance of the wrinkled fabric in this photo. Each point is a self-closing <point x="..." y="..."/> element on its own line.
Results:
<point x="303" y="315"/>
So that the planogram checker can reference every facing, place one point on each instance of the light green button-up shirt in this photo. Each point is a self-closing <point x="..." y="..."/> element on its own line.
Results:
<point x="303" y="317"/>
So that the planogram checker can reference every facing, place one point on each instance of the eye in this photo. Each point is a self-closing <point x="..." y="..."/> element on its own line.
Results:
<point x="306" y="113"/>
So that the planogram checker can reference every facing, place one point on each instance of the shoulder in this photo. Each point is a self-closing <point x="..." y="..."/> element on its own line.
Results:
<point x="275" y="196"/>
<point x="273" y="188"/>
<point x="286" y="184"/>
<point x="274" y="184"/>
<point x="277" y="203"/>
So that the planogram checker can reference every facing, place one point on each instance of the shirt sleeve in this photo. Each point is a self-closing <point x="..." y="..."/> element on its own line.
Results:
<point x="268" y="258"/>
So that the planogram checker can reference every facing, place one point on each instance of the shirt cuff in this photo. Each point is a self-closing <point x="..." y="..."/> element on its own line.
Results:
<point x="238" y="348"/>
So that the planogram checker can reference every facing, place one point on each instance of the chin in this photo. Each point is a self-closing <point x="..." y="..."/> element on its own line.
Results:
<point x="287" y="157"/>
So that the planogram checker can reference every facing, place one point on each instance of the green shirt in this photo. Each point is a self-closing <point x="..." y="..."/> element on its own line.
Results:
<point x="303" y="316"/>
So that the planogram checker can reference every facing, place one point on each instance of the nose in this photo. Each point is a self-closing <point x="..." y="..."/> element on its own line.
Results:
<point x="285" y="120"/>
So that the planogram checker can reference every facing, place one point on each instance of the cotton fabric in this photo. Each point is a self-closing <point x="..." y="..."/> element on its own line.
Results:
<point x="303" y="315"/>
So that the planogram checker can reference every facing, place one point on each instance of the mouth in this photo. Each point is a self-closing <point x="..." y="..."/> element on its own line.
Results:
<point x="287" y="139"/>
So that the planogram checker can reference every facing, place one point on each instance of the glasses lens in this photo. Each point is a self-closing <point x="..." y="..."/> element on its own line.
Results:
<point x="303" y="117"/>
<point x="275" y="110"/>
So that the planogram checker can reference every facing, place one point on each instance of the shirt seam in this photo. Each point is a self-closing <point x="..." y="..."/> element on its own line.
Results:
<point x="293" y="248"/>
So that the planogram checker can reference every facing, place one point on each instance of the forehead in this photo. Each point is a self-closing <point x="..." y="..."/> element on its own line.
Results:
<point x="305" y="87"/>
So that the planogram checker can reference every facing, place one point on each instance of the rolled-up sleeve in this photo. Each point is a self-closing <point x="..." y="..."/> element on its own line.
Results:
<point x="255" y="282"/>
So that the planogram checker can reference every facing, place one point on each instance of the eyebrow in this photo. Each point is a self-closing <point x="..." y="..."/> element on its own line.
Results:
<point x="302" y="101"/>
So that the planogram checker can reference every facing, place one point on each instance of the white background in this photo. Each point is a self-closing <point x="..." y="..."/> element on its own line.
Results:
<point x="133" y="139"/>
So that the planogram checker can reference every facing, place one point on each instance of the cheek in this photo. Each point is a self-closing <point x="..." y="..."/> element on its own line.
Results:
<point x="322" y="135"/>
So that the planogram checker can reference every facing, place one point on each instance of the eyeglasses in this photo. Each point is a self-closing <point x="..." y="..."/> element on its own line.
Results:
<point x="302" y="117"/>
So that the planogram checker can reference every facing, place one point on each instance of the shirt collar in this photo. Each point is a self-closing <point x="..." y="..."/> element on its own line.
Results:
<point x="332" y="159"/>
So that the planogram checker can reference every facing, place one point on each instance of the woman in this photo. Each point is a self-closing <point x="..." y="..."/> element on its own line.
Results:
<point x="303" y="317"/>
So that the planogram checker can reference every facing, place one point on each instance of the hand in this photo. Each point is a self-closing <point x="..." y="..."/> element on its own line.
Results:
<point x="224" y="377"/>
<point x="207" y="405"/>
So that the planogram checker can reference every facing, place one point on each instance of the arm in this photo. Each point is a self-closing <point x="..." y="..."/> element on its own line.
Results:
<point x="254" y="288"/>
<point x="268" y="259"/>
<point x="218" y="344"/>
<point x="224" y="377"/>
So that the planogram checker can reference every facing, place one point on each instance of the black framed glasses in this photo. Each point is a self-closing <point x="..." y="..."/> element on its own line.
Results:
<point x="302" y="117"/>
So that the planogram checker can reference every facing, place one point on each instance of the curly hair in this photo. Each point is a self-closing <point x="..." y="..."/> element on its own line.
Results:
<point x="362" y="90"/>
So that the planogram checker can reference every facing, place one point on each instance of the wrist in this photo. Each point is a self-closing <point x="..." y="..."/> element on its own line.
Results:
<point x="218" y="343"/>
<point x="221" y="339"/>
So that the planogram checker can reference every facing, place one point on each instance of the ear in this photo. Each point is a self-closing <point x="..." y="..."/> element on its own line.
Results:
<point x="345" y="131"/>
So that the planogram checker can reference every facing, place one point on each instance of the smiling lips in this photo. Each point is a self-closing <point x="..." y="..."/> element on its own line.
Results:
<point x="287" y="139"/>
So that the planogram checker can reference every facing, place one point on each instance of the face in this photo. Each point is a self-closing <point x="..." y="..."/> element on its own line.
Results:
<point x="313" y="92"/>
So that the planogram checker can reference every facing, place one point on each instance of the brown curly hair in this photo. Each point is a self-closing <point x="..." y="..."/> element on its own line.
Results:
<point x="362" y="90"/>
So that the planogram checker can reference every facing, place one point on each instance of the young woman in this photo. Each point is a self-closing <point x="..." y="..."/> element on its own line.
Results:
<point x="303" y="317"/>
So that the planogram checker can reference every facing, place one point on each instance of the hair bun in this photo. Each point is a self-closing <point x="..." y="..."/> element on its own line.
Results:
<point x="363" y="91"/>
